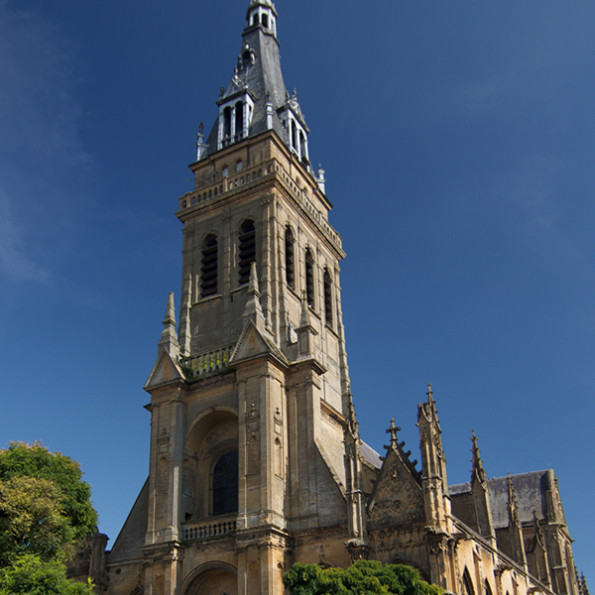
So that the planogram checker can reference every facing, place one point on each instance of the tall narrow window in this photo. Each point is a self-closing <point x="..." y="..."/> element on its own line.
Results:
<point x="239" y="120"/>
<point x="247" y="250"/>
<point x="227" y="122"/>
<point x="208" y="267"/>
<point x="328" y="298"/>
<point x="309" y="278"/>
<point x="467" y="583"/>
<point x="225" y="484"/>
<point x="289" y="258"/>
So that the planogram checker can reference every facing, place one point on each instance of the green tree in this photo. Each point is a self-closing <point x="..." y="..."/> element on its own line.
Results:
<point x="37" y="462"/>
<point x="45" y="507"/>
<point x="362" y="578"/>
<point x="32" y="576"/>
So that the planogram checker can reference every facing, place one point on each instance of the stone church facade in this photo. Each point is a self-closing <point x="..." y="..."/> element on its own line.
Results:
<point x="256" y="461"/>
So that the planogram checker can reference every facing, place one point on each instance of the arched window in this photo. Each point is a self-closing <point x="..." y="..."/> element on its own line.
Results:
<point x="225" y="484"/>
<point x="293" y="135"/>
<point x="486" y="588"/>
<point x="227" y="122"/>
<point x="328" y="298"/>
<point x="239" y="120"/>
<point x="265" y="21"/>
<point x="208" y="267"/>
<point x="247" y="250"/>
<point x="309" y="278"/>
<point x="289" y="258"/>
<point x="255" y="19"/>
<point x="467" y="583"/>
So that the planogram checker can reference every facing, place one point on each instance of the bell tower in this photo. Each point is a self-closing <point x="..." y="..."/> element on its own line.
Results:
<point x="249" y="399"/>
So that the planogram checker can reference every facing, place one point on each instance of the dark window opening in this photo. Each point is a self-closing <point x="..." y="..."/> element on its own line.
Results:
<point x="208" y="268"/>
<point x="303" y="146"/>
<point x="289" y="258"/>
<point x="467" y="584"/>
<point x="247" y="250"/>
<point x="265" y="21"/>
<point x="239" y="120"/>
<point x="309" y="278"/>
<point x="293" y="135"/>
<point x="328" y="299"/>
<point x="227" y="122"/>
<point x="225" y="484"/>
<point x="255" y="20"/>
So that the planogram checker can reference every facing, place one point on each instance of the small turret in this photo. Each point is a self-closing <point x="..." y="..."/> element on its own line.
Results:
<point x="262" y="14"/>
<point x="434" y="480"/>
<point x="481" y="495"/>
<point x="517" y="544"/>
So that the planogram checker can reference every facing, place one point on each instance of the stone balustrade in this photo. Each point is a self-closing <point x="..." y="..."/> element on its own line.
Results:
<point x="211" y="530"/>
<point x="207" y="364"/>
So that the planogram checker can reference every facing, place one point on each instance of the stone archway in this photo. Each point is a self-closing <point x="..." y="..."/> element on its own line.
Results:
<point x="216" y="581"/>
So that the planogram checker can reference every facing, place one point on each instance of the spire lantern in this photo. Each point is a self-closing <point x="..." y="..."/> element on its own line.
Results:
<point x="262" y="13"/>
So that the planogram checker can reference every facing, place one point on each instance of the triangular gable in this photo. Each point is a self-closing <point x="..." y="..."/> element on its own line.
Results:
<point x="397" y="497"/>
<point x="164" y="371"/>
<point x="251" y="344"/>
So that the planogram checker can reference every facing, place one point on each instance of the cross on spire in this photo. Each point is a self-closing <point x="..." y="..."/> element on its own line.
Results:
<point x="393" y="432"/>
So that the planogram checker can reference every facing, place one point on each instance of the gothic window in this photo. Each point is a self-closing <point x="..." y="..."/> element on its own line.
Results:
<point x="208" y="268"/>
<point x="265" y="21"/>
<point x="328" y="298"/>
<point x="225" y="484"/>
<point x="487" y="589"/>
<point x="239" y="165"/>
<point x="247" y="250"/>
<point x="289" y="258"/>
<point x="309" y="278"/>
<point x="239" y="120"/>
<point x="225" y="171"/>
<point x="467" y="584"/>
<point x="255" y="20"/>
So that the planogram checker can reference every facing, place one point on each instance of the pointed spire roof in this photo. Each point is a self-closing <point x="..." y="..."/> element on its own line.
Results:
<point x="257" y="75"/>
<point x="253" y="308"/>
<point x="169" y="336"/>
<point x="478" y="472"/>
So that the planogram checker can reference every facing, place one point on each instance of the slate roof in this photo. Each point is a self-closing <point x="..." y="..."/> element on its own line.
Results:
<point x="531" y="491"/>
<point x="258" y="70"/>
<point x="370" y="455"/>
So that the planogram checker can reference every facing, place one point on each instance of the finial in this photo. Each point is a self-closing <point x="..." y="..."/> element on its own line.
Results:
<point x="478" y="470"/>
<point x="393" y="432"/>
<point x="253" y="308"/>
<point x="430" y="393"/>
<point x="513" y="507"/>
<point x="253" y="283"/>
<point x="169" y="336"/>
<point x="170" y="311"/>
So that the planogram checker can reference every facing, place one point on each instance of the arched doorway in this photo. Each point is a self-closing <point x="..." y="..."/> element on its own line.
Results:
<point x="216" y="581"/>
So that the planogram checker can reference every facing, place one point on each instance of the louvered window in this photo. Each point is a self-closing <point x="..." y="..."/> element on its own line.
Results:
<point x="208" y="269"/>
<point x="289" y="258"/>
<point x="247" y="250"/>
<point x="328" y="299"/>
<point x="309" y="278"/>
<point x="225" y="484"/>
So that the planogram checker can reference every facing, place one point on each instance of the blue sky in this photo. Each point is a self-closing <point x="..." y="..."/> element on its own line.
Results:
<point x="458" y="140"/>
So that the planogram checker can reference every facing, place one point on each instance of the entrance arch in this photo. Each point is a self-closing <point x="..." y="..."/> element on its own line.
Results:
<point x="219" y="580"/>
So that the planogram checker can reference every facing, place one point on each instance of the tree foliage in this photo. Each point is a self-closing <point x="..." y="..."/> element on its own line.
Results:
<point x="30" y="575"/>
<point x="362" y="578"/>
<point x="45" y="507"/>
<point x="37" y="462"/>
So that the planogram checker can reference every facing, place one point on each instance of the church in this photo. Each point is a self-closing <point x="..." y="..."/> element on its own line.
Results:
<point x="256" y="460"/>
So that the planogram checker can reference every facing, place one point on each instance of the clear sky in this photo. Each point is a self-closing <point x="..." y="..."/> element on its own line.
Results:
<point x="458" y="140"/>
